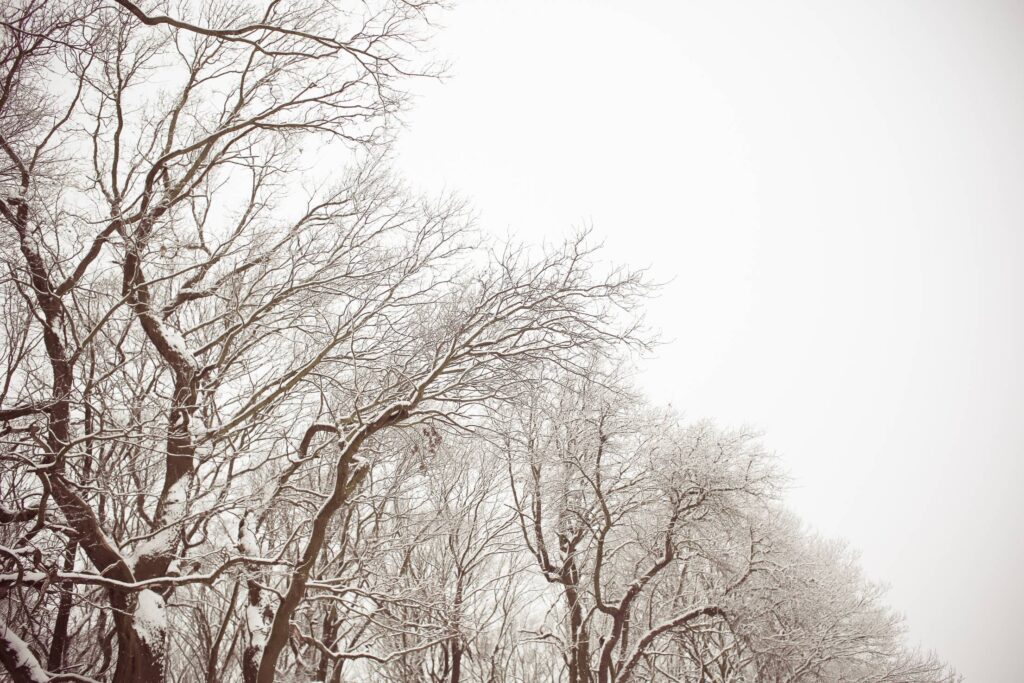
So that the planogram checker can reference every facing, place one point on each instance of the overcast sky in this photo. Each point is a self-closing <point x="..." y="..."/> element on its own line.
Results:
<point x="836" y="190"/>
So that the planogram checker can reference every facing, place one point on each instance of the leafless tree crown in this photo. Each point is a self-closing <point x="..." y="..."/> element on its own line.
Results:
<point x="268" y="415"/>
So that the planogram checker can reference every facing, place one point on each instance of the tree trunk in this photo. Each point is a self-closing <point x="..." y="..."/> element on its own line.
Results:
<point x="347" y="480"/>
<point x="140" y="650"/>
<point x="456" y="660"/>
<point x="59" y="642"/>
<point x="456" y="641"/>
<point x="279" y="630"/>
<point x="579" y="638"/>
<point x="330" y="631"/>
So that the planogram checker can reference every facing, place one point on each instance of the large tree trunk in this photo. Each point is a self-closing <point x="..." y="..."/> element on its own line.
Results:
<point x="258" y="617"/>
<point x="456" y="660"/>
<point x="140" y="662"/>
<point x="140" y="623"/>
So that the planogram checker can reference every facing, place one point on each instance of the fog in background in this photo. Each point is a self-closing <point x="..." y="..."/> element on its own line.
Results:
<point x="835" y="192"/>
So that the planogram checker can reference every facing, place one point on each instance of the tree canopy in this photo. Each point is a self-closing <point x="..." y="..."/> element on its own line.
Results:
<point x="269" y="415"/>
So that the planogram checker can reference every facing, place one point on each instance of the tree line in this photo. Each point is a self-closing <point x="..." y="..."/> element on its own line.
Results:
<point x="268" y="415"/>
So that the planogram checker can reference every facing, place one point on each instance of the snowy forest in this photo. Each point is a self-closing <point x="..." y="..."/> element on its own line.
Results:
<point x="269" y="415"/>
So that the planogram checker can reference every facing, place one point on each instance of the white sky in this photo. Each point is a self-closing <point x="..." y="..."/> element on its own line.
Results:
<point x="837" y="190"/>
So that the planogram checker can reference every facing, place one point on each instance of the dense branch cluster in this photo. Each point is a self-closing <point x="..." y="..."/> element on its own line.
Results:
<point x="267" y="415"/>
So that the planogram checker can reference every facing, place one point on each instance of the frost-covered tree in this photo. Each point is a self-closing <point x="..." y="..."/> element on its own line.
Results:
<point x="668" y="557"/>
<point x="625" y="510"/>
<point x="268" y="415"/>
<point x="208" y="352"/>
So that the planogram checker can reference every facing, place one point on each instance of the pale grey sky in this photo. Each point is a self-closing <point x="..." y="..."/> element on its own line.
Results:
<point x="837" y="189"/>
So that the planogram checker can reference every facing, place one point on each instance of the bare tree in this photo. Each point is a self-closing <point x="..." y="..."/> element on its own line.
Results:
<point x="259" y="398"/>
<point x="812" y="616"/>
<point x="632" y="497"/>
